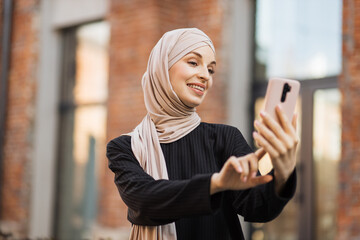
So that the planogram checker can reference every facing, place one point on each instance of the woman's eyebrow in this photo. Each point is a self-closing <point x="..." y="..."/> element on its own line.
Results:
<point x="200" y="56"/>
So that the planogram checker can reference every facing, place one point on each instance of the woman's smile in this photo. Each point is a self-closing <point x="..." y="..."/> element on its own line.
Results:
<point x="192" y="76"/>
<point x="197" y="88"/>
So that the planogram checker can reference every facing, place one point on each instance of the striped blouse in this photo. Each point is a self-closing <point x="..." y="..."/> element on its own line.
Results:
<point x="185" y="198"/>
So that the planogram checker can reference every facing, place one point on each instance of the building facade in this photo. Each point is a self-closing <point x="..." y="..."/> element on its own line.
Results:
<point x="71" y="83"/>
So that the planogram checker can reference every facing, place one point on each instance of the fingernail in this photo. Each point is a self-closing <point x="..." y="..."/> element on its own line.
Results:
<point x="253" y="174"/>
<point x="257" y="123"/>
<point x="263" y="113"/>
<point x="239" y="169"/>
<point x="244" y="179"/>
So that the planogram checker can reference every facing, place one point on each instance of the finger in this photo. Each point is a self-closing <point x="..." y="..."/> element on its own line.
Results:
<point x="284" y="121"/>
<point x="260" y="153"/>
<point x="271" y="122"/>
<point x="261" y="180"/>
<point x="286" y="140"/>
<point x="280" y="146"/>
<point x="253" y="162"/>
<point x="294" y="121"/>
<point x="235" y="164"/>
<point x="288" y="127"/>
<point x="245" y="166"/>
<point x="275" y="127"/>
<point x="266" y="145"/>
<point x="274" y="155"/>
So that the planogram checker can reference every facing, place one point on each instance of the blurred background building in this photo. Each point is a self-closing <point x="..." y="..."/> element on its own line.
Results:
<point x="70" y="82"/>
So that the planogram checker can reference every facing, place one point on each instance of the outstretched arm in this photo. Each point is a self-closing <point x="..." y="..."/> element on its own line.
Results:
<point x="263" y="202"/>
<point x="156" y="202"/>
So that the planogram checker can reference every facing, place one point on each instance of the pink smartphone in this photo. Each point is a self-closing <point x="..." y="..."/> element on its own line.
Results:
<point x="284" y="92"/>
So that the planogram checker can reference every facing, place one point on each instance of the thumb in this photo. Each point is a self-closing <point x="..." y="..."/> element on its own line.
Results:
<point x="261" y="180"/>
<point x="294" y="120"/>
<point x="260" y="153"/>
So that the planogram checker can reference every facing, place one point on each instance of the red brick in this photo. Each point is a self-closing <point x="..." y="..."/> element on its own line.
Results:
<point x="15" y="193"/>
<point x="348" y="224"/>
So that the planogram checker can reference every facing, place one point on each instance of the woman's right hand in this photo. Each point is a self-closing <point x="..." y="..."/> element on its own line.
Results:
<point x="239" y="173"/>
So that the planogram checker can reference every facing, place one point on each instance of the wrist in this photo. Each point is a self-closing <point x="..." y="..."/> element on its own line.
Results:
<point x="280" y="178"/>
<point x="215" y="184"/>
<point x="280" y="182"/>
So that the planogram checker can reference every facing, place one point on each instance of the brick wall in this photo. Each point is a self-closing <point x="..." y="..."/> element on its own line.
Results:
<point x="1" y="30"/>
<point x="349" y="196"/>
<point x="135" y="28"/>
<point x="133" y="32"/>
<point x="207" y="15"/>
<point x="18" y="137"/>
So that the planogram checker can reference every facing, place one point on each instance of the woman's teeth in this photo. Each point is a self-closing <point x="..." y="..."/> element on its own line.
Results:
<point x="196" y="87"/>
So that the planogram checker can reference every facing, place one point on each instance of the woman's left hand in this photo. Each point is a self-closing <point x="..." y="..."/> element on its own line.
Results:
<point x="280" y="141"/>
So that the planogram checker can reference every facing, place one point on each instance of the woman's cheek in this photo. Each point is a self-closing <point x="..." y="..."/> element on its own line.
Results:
<point x="210" y="83"/>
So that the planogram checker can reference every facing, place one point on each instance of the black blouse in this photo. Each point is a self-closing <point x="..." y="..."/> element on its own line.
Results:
<point x="185" y="198"/>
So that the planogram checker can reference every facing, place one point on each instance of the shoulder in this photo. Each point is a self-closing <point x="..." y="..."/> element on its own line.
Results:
<point x="119" y="150"/>
<point x="222" y="133"/>
<point x="120" y="155"/>
<point x="228" y="138"/>
<point x="219" y="129"/>
<point x="122" y="143"/>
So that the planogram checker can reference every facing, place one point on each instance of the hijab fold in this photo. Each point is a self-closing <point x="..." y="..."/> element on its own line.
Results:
<point x="168" y="118"/>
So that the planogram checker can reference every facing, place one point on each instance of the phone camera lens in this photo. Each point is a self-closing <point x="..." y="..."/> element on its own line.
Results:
<point x="286" y="89"/>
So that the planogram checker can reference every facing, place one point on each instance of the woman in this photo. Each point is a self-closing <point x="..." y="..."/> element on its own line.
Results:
<point x="185" y="179"/>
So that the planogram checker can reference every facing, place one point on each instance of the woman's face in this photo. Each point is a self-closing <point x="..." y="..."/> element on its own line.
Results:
<point x="192" y="76"/>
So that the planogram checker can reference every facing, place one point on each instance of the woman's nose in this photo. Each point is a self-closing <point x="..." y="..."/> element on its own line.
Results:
<point x="204" y="73"/>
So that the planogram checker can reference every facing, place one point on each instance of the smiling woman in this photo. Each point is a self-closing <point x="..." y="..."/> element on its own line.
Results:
<point x="186" y="179"/>
<point x="192" y="76"/>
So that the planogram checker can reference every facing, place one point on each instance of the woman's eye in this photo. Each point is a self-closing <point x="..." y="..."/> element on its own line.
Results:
<point x="211" y="71"/>
<point x="192" y="63"/>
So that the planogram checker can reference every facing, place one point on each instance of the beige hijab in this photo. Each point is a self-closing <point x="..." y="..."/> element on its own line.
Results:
<point x="168" y="119"/>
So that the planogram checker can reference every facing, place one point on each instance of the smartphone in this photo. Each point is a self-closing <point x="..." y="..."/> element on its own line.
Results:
<point x="283" y="92"/>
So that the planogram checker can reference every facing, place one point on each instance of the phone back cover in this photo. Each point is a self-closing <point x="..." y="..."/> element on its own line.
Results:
<point x="274" y="93"/>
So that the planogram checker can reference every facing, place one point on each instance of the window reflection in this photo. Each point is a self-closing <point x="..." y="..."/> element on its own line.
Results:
<point x="91" y="63"/>
<point x="298" y="39"/>
<point x="83" y="129"/>
<point x="326" y="154"/>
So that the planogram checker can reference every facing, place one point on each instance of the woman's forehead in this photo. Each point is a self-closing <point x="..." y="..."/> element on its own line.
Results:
<point x="205" y="53"/>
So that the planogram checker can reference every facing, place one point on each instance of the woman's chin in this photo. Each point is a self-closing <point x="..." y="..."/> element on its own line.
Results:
<point x="192" y="100"/>
<point x="192" y="104"/>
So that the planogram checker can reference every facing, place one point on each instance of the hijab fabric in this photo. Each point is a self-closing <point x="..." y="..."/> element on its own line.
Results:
<point x="168" y="118"/>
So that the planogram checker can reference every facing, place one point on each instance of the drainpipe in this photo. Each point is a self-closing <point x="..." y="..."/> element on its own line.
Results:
<point x="4" y="71"/>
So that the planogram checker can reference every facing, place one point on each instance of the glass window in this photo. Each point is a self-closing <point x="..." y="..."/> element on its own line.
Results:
<point x="301" y="39"/>
<point x="83" y="128"/>
<point x="326" y="156"/>
<point x="298" y="39"/>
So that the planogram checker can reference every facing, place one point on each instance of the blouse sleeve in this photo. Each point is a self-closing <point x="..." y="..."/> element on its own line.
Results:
<point x="154" y="202"/>
<point x="261" y="203"/>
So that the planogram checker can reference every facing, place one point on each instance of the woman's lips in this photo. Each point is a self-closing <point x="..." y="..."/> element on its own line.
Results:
<point x="197" y="88"/>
